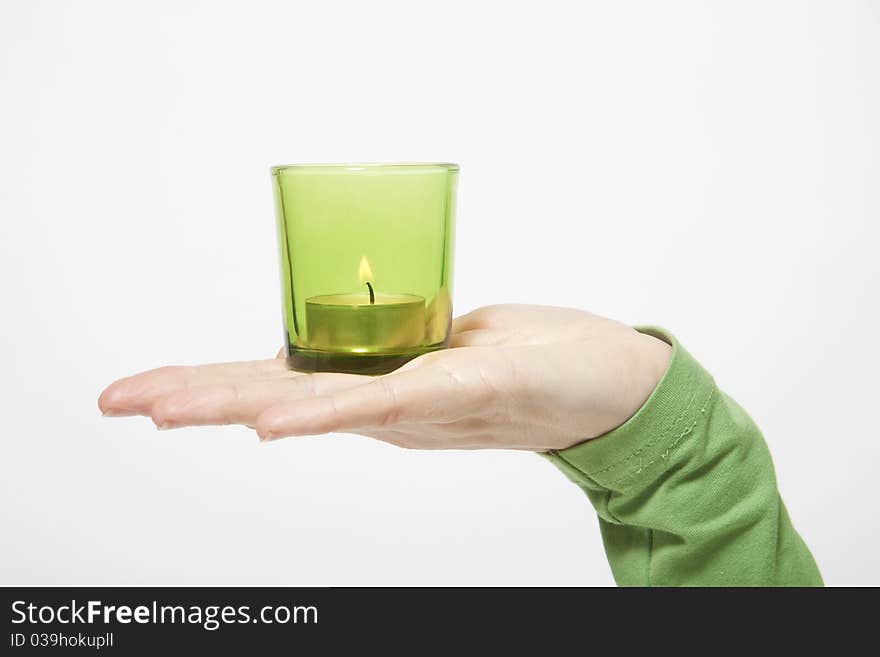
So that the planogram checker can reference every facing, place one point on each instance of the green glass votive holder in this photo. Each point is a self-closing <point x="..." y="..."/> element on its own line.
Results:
<point x="366" y="256"/>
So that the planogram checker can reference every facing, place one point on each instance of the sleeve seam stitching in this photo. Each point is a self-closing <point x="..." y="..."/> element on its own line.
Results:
<point x="651" y="442"/>
<point x="573" y="466"/>
<point x="665" y="454"/>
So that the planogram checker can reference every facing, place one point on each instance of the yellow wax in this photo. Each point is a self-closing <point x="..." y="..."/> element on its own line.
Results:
<point x="349" y="322"/>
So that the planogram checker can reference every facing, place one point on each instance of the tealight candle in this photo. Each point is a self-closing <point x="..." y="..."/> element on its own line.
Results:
<point x="368" y="322"/>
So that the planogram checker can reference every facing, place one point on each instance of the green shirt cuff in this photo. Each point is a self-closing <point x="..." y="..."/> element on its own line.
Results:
<point x="643" y="447"/>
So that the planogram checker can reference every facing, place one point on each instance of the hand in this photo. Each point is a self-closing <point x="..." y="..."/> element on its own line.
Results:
<point x="516" y="377"/>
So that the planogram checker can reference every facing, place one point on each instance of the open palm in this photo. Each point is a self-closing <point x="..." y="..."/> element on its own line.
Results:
<point x="517" y="377"/>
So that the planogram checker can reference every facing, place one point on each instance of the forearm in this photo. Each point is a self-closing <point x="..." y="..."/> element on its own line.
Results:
<point x="686" y="492"/>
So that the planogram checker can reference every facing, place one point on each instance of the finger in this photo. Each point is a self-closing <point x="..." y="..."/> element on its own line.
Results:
<point x="511" y="316"/>
<point x="477" y="338"/>
<point x="489" y="317"/>
<point x="423" y="394"/>
<point x="242" y="402"/>
<point x="135" y="395"/>
<point x="469" y="322"/>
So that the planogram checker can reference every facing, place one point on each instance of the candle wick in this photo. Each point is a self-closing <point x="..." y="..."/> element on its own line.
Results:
<point x="372" y="295"/>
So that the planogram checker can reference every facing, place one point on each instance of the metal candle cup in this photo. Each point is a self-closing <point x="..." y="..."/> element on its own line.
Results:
<point x="350" y="322"/>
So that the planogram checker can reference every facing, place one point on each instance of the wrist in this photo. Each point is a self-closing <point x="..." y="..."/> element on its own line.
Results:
<point x="654" y="360"/>
<point x="634" y="452"/>
<point x="617" y="383"/>
<point x="650" y="358"/>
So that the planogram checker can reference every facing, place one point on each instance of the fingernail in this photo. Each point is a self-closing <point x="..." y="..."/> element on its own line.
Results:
<point x="164" y="426"/>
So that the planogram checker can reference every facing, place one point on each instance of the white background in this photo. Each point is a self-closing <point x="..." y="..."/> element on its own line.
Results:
<point x="711" y="167"/>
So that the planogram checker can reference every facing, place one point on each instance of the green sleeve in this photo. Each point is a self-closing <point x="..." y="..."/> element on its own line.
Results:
<point x="686" y="493"/>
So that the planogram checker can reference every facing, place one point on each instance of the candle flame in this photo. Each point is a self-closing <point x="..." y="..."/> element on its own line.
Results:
<point x="365" y="274"/>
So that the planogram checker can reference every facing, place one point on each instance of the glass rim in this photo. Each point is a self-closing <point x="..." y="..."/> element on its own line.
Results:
<point x="363" y="166"/>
